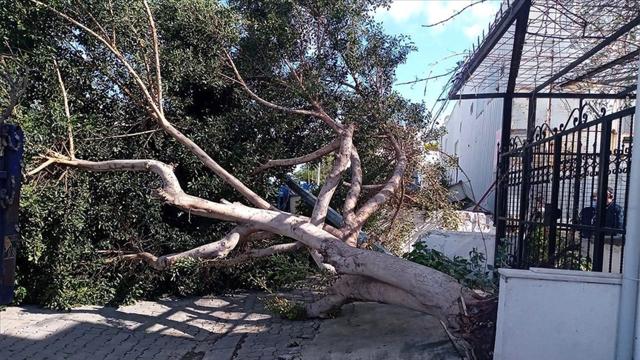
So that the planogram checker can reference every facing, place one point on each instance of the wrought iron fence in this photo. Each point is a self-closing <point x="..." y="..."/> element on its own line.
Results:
<point x="562" y="194"/>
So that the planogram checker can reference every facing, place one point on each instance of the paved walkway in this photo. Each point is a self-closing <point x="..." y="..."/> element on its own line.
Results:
<point x="217" y="328"/>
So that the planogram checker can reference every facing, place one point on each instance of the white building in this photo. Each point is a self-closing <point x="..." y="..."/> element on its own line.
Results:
<point x="473" y="132"/>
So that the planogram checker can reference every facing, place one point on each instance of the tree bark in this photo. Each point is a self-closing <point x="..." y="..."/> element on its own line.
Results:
<point x="327" y="149"/>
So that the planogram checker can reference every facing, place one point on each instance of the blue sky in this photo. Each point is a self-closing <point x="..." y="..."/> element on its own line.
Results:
<point x="439" y="47"/>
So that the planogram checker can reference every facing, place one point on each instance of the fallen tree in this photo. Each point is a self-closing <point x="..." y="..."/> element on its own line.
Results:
<point x="361" y="274"/>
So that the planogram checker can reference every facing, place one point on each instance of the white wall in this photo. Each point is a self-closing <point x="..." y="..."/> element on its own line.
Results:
<point x="462" y="243"/>
<point x="475" y="231"/>
<point x="556" y="315"/>
<point x="473" y="133"/>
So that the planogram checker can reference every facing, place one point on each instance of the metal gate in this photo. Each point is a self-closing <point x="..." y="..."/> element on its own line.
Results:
<point x="562" y="195"/>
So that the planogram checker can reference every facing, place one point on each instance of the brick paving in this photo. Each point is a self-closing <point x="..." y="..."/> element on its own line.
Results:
<point x="207" y="328"/>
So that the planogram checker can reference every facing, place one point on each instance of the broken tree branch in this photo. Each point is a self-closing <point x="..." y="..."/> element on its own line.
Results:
<point x="275" y="249"/>
<point x="171" y="130"/>
<point x="390" y="188"/>
<point x="331" y="183"/>
<point x="67" y="112"/>
<point x="273" y="221"/>
<point x="327" y="149"/>
<point x="215" y="250"/>
<point x="156" y="53"/>
<point x="318" y="113"/>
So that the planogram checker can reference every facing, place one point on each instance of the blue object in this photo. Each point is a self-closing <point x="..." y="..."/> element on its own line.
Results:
<point x="283" y="198"/>
<point x="306" y="185"/>
<point x="333" y="217"/>
<point x="10" y="182"/>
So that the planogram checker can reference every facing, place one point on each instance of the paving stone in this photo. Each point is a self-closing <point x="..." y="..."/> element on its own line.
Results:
<point x="233" y="327"/>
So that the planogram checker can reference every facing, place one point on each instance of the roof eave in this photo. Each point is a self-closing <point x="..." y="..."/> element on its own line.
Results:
<point x="489" y="42"/>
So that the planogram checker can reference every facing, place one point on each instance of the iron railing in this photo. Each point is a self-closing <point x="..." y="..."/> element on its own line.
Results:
<point x="548" y="209"/>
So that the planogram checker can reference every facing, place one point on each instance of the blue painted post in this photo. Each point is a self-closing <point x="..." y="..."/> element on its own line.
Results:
<point x="10" y="181"/>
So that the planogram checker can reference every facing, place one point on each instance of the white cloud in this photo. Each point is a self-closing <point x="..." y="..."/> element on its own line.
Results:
<point x="440" y="10"/>
<point x="485" y="11"/>
<point x="401" y="10"/>
<point x="471" y="21"/>
<point x="473" y="31"/>
<point x="404" y="10"/>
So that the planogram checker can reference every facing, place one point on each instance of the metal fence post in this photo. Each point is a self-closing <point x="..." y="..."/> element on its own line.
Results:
<point x="555" y="193"/>
<point x="526" y="169"/>
<point x="603" y="184"/>
<point x="576" y="185"/>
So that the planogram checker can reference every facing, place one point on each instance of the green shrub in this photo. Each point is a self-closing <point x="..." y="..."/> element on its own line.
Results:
<point x="471" y="272"/>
